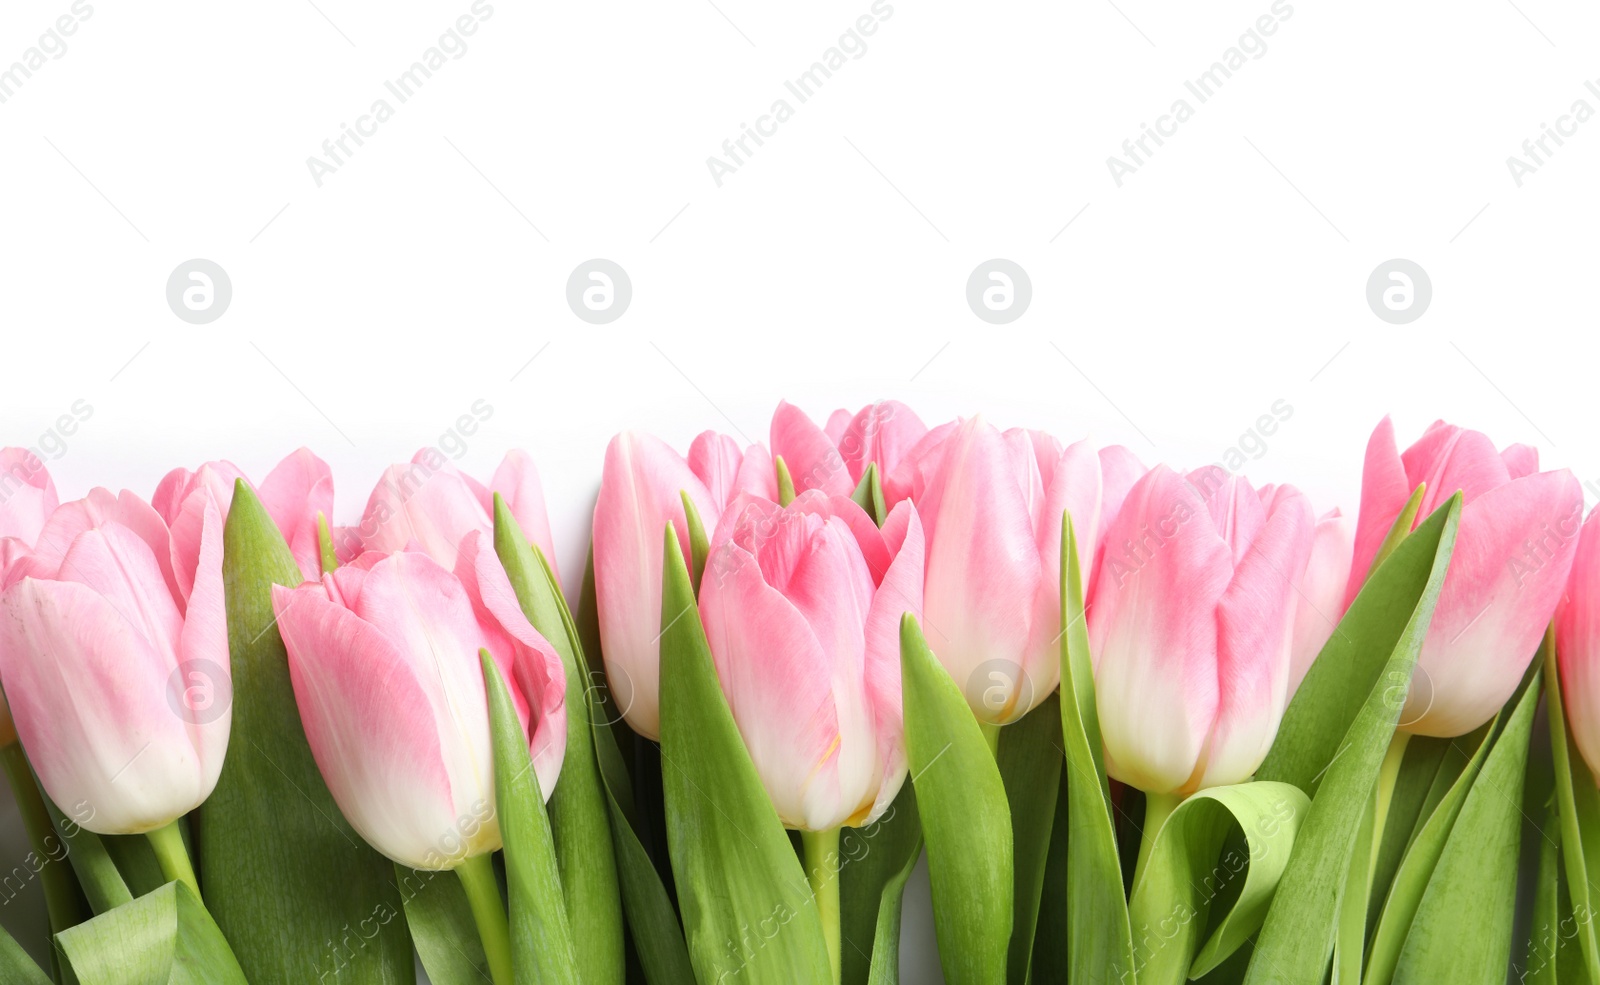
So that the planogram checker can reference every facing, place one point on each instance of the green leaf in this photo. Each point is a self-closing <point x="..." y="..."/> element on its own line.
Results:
<point x="965" y="818"/>
<point x="163" y="938"/>
<point x="1427" y="761"/>
<point x="541" y="940"/>
<point x="1029" y="757"/>
<point x="579" y="817"/>
<point x="16" y="968"/>
<point x="285" y="874"/>
<point x="1333" y="740"/>
<point x="699" y="544"/>
<point x="1462" y="930"/>
<point x="1540" y="962"/>
<point x="869" y="494"/>
<point x="653" y="921"/>
<point x="1050" y="961"/>
<point x="747" y="907"/>
<point x="1579" y="800"/>
<point x="136" y="860"/>
<point x="1187" y="870"/>
<point x="97" y="873"/>
<point x="1099" y="942"/>
<point x="440" y="919"/>
<point x="878" y="860"/>
<point x="1421" y="857"/>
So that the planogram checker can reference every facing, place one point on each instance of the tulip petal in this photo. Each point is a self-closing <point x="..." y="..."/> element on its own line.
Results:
<point x="1153" y="633"/>
<point x="517" y="480"/>
<point x="27" y="495"/>
<point x="813" y="461"/>
<point x="1508" y="569"/>
<point x="640" y="493"/>
<point x="1578" y="643"/>
<point x="114" y="754"/>
<point x="294" y="492"/>
<point x="1255" y="623"/>
<point x="1385" y="488"/>
<point x="372" y="722"/>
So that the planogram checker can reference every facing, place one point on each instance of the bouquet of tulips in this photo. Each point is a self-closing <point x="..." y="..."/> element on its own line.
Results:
<point x="1146" y="726"/>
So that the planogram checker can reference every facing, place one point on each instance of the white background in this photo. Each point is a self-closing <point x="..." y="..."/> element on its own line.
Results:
<point x="1229" y="272"/>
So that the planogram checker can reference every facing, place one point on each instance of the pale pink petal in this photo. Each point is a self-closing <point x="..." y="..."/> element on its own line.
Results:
<point x="1255" y="623"/>
<point x="1385" y="489"/>
<point x="1153" y="633"/>
<point x="294" y="492"/>
<point x="1578" y="644"/>
<point x="1509" y="566"/>
<point x="1320" y="602"/>
<point x="27" y="495"/>
<point x="517" y="480"/>
<point x="812" y="459"/>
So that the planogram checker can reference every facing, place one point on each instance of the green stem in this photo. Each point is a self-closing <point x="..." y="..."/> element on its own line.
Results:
<point x="173" y="856"/>
<point x="1387" y="775"/>
<point x="822" y="868"/>
<point x="60" y="892"/>
<point x="489" y="913"/>
<point x="1157" y="808"/>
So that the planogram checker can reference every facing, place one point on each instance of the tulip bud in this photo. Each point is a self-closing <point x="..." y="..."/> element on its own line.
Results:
<point x="641" y="491"/>
<point x="118" y="679"/>
<point x="992" y="507"/>
<point x="429" y="506"/>
<point x="802" y="607"/>
<point x="294" y="492"/>
<point x="1514" y="547"/>
<point x="1578" y="644"/>
<point x="834" y="459"/>
<point x="384" y="661"/>
<point x="1190" y="628"/>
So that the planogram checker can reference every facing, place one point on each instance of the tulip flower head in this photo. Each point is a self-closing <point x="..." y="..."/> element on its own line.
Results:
<point x="27" y="495"/>
<point x="384" y="660"/>
<point x="642" y="489"/>
<point x="1190" y="628"/>
<point x="992" y="504"/>
<point x="117" y="674"/>
<point x="428" y="505"/>
<point x="1514" y="547"/>
<point x="802" y="607"/>
<point x="834" y="458"/>
<point x="294" y="492"/>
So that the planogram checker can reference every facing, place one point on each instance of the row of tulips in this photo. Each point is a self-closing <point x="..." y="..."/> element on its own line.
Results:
<point x="1147" y="725"/>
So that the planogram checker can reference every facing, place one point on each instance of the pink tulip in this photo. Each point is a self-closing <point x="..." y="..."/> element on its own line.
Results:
<point x="27" y="496"/>
<point x="1514" y="547"/>
<point x="833" y="459"/>
<point x="428" y="505"/>
<point x="294" y="492"/>
<point x="1190" y="628"/>
<point x="383" y="657"/>
<point x="802" y="608"/>
<point x="641" y="490"/>
<point x="1578" y="644"/>
<point x="991" y="505"/>
<point x="1319" y="590"/>
<point x="118" y="678"/>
